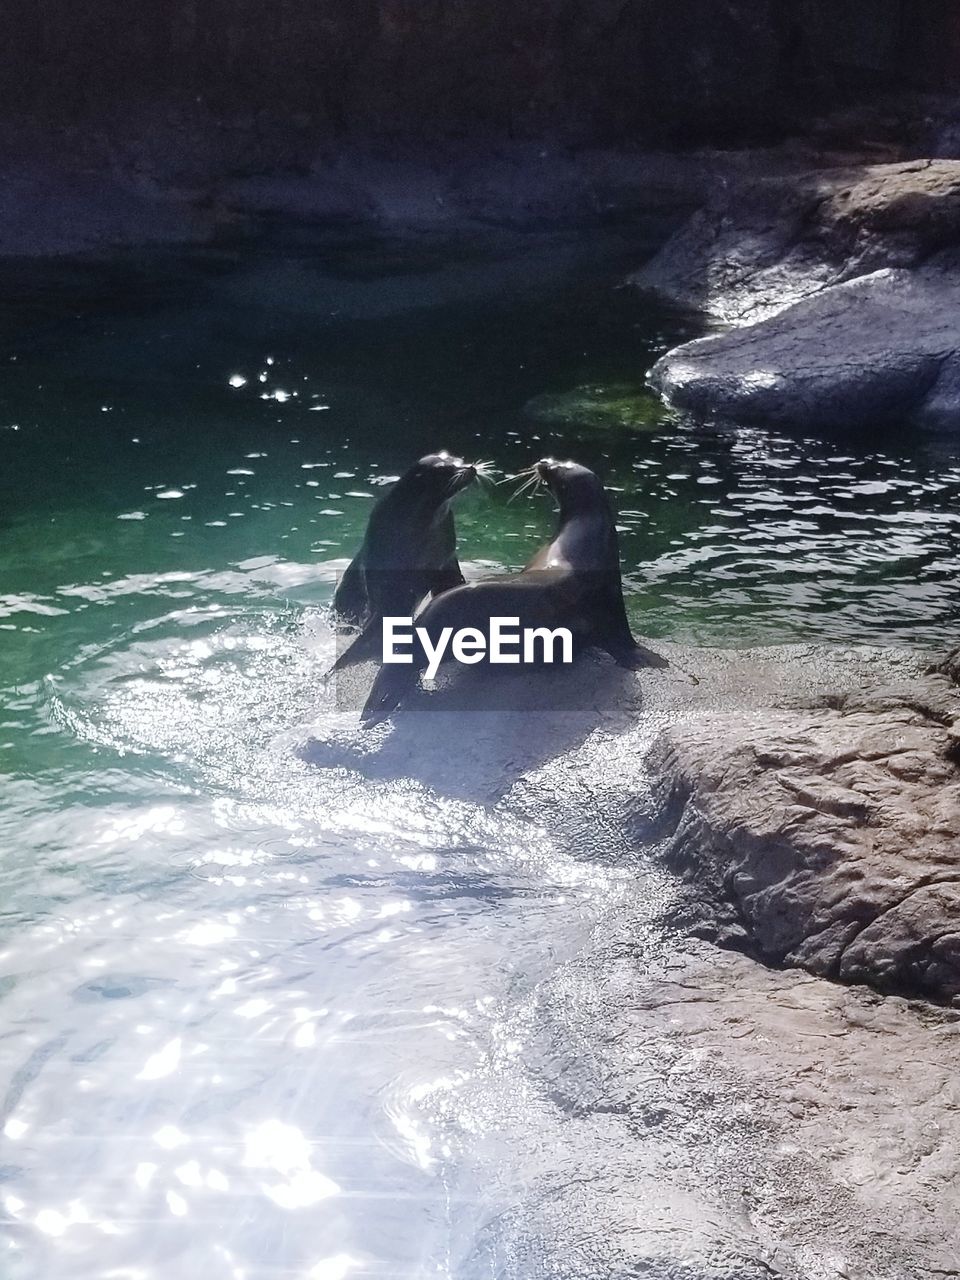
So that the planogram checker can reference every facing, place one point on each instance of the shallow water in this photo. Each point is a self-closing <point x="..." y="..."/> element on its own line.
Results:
<point x="237" y="987"/>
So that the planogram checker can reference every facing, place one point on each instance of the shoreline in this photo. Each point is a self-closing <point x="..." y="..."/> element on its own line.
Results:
<point x="730" y="1112"/>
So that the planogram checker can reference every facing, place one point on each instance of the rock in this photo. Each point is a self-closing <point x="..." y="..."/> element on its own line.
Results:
<point x="44" y="211"/>
<point x="245" y="114"/>
<point x="951" y="666"/>
<point x="883" y="346"/>
<point x="846" y="284"/>
<point x="185" y="179"/>
<point x="828" y="831"/>
<point x="660" y="1108"/>
<point x="760" y="246"/>
<point x="656" y="1107"/>
<point x="718" y="1120"/>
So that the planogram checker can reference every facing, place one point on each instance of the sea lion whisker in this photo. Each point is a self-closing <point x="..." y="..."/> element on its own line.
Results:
<point x="485" y="471"/>
<point x="517" y="475"/>
<point x="531" y="480"/>
<point x="531" y="483"/>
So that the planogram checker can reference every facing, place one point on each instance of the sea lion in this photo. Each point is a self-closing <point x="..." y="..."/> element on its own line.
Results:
<point x="573" y="582"/>
<point x="409" y="551"/>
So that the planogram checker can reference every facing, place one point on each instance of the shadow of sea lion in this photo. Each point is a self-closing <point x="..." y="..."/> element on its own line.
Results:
<point x="474" y="735"/>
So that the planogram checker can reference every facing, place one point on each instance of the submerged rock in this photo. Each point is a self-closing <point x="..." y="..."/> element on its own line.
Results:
<point x="826" y="834"/>
<point x="600" y="407"/>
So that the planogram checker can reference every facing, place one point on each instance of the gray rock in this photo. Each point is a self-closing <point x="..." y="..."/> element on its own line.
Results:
<point x="713" y="1119"/>
<point x="846" y="282"/>
<point x="760" y="245"/>
<point x="951" y="666"/>
<point x="828" y="832"/>
<point x="664" y="1109"/>
<point x="884" y="345"/>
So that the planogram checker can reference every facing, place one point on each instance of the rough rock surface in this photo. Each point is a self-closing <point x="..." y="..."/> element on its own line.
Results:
<point x="827" y="835"/>
<point x="676" y="1112"/>
<point x="759" y="246"/>
<point x="847" y="284"/>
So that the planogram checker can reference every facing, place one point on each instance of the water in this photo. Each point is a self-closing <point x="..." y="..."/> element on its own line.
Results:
<point x="239" y="990"/>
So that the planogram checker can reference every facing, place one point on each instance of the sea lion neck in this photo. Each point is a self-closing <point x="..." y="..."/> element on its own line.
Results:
<point x="590" y="506"/>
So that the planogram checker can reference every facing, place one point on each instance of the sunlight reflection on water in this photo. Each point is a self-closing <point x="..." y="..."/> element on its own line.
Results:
<point x="246" y="998"/>
<point x="265" y="992"/>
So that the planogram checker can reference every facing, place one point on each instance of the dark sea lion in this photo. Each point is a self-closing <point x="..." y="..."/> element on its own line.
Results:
<point x="409" y="551"/>
<point x="573" y="582"/>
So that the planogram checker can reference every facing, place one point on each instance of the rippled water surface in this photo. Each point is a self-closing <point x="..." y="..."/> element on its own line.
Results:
<point x="236" y="986"/>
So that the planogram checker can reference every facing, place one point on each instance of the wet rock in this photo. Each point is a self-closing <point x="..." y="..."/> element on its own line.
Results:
<point x="828" y="831"/>
<point x="882" y="346"/>
<point x="679" y="1112"/>
<point x="951" y="666"/>
<point x="712" y="1118"/>
<point x="846" y="282"/>
<point x="657" y="1107"/>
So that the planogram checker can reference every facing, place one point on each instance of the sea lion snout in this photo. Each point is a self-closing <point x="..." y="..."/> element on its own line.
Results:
<point x="560" y="476"/>
<point x="448" y="464"/>
<point x="464" y="473"/>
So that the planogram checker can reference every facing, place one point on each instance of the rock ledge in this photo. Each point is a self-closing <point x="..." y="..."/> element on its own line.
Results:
<point x="843" y="287"/>
<point x="826" y="835"/>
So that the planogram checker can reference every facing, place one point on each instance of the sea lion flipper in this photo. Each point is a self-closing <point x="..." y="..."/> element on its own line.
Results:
<point x="640" y="656"/>
<point x="626" y="652"/>
<point x="389" y="689"/>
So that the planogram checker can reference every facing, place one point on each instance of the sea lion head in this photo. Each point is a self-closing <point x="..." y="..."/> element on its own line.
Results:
<point x="437" y="477"/>
<point x="575" y="487"/>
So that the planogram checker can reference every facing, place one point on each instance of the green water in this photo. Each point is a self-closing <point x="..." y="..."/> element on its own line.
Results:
<point x="126" y="452"/>
<point x="233" y="983"/>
